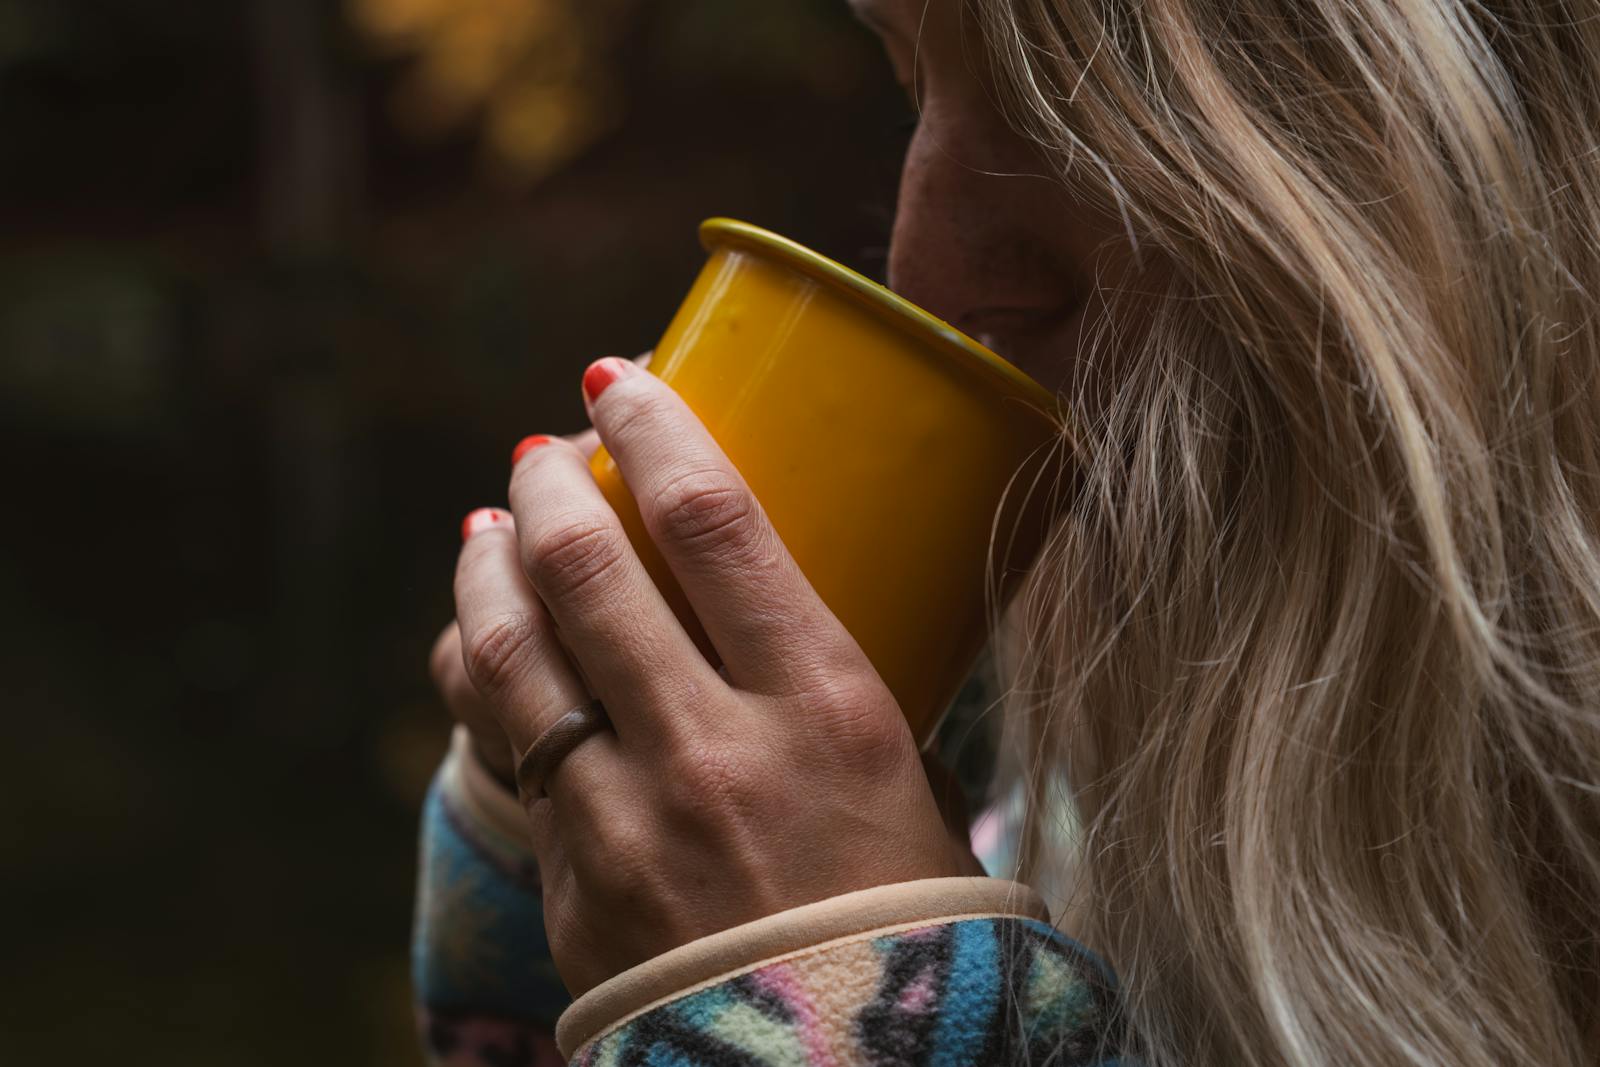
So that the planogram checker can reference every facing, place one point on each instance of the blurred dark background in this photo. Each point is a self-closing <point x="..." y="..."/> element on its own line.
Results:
<point x="281" y="283"/>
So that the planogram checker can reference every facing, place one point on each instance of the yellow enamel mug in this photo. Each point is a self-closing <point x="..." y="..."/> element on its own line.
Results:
<point x="887" y="448"/>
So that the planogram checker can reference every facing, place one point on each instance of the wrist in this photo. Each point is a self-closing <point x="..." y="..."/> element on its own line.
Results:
<point x="793" y="936"/>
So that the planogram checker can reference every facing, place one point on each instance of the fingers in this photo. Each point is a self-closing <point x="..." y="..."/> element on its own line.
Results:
<point x="608" y="614"/>
<point x="509" y="650"/>
<point x="511" y="657"/>
<point x="450" y="675"/>
<point x="757" y="607"/>
<point x="588" y="441"/>
<point x="467" y="706"/>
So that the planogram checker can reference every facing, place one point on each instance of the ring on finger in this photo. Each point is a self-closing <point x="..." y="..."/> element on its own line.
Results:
<point x="556" y="744"/>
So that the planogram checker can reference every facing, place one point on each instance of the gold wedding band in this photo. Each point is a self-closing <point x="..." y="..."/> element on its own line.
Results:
<point x="556" y="744"/>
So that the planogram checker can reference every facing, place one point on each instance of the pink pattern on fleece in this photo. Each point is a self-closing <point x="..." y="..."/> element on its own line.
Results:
<point x="918" y="996"/>
<point x="781" y="981"/>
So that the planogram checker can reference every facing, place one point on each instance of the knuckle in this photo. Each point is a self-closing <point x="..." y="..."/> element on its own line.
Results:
<point x="824" y="688"/>
<point x="858" y="721"/>
<point x="708" y="510"/>
<point x="495" y="653"/>
<point x="573" y="556"/>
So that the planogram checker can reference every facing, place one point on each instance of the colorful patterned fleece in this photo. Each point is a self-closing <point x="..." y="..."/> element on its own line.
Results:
<point x="487" y="990"/>
<point x="978" y="991"/>
<point x="948" y="993"/>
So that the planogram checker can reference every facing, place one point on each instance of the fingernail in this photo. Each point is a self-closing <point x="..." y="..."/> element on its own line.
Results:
<point x="526" y="445"/>
<point x="600" y="375"/>
<point x="480" y="520"/>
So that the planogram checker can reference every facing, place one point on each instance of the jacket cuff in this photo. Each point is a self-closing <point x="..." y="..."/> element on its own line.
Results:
<point x="493" y="812"/>
<point x="849" y="917"/>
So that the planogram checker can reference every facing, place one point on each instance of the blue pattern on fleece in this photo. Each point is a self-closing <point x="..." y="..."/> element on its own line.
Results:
<point x="971" y="993"/>
<point x="479" y="943"/>
<point x="662" y="1056"/>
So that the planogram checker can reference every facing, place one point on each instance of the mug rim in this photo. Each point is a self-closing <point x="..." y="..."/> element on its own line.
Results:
<point x="727" y="232"/>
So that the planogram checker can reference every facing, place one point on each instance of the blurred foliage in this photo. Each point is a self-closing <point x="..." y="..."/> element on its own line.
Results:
<point x="280" y="284"/>
<point x="534" y="70"/>
<point x="540" y="78"/>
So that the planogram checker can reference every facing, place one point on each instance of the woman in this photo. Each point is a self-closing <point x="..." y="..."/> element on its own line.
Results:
<point x="1316" y="645"/>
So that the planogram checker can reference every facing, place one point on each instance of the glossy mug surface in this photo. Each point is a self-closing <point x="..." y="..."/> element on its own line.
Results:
<point x="881" y="442"/>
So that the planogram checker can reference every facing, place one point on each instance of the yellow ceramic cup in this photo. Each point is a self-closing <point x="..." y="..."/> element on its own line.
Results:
<point x="881" y="442"/>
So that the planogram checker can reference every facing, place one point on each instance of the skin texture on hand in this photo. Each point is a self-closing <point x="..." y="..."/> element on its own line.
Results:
<point x="718" y="799"/>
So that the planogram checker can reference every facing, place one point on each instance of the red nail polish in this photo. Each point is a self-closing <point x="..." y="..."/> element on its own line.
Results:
<point x="600" y="375"/>
<point x="526" y="445"/>
<point x="480" y="520"/>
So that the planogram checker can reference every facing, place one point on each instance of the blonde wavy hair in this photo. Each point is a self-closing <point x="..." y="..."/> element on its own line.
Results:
<point x="1317" y="643"/>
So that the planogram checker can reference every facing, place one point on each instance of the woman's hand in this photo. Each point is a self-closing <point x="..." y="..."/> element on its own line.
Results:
<point x="720" y="797"/>
<point x="445" y="664"/>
